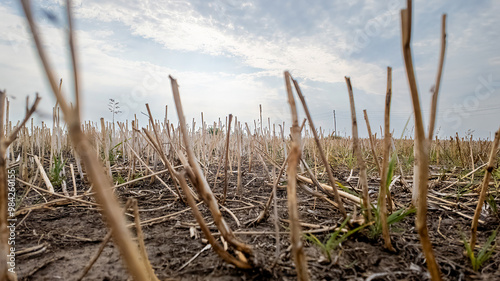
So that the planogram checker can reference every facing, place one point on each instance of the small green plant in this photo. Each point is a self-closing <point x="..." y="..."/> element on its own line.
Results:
<point x="461" y="190"/>
<point x="55" y="175"/>
<point x="334" y="240"/>
<point x="496" y="177"/>
<point x="114" y="154"/>
<point x="484" y="253"/>
<point x="213" y="131"/>
<point x="344" y="188"/>
<point x="493" y="205"/>
<point x="399" y="215"/>
<point x="118" y="179"/>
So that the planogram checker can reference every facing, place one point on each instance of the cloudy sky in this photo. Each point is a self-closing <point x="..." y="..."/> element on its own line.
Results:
<point x="229" y="56"/>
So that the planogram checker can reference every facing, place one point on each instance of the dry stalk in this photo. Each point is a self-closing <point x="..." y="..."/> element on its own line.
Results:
<point x="316" y="182"/>
<point x="238" y="181"/>
<point x="363" y="180"/>
<point x="265" y="212"/>
<point x="106" y="149"/>
<point x="383" y="191"/>
<point x="331" y="178"/>
<point x="422" y="145"/>
<point x="293" y="160"/>
<point x="45" y="178"/>
<point x="328" y="188"/>
<point x="372" y="142"/>
<point x="484" y="189"/>
<point x="195" y="174"/>
<point x="157" y="145"/>
<point x="438" y="78"/>
<point x="73" y="178"/>
<point x="104" y="195"/>
<point x="206" y="231"/>
<point x="140" y="238"/>
<point x="226" y="163"/>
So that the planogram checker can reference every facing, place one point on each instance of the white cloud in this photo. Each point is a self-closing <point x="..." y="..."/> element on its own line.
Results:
<point x="318" y="45"/>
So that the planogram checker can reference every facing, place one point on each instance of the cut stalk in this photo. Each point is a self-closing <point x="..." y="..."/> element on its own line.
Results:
<point x="110" y="207"/>
<point x="383" y="192"/>
<point x="421" y="148"/>
<point x="363" y="180"/>
<point x="331" y="178"/>
<point x="293" y="160"/>
<point x="484" y="188"/>
<point x="226" y="167"/>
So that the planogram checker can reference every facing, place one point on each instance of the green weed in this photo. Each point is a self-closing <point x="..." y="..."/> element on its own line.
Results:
<point x="55" y="173"/>
<point x="334" y="240"/>
<point x="397" y="216"/>
<point x="484" y="253"/>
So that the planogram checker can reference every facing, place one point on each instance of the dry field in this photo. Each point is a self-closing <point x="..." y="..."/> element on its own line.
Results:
<point x="237" y="201"/>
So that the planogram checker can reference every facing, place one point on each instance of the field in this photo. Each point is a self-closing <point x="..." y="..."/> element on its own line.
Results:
<point x="66" y="233"/>
<point x="230" y="200"/>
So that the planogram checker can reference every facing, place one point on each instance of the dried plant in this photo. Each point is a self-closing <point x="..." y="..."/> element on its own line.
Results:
<point x="422" y="143"/>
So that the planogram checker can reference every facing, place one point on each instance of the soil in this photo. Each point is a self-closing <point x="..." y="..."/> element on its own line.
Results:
<point x="73" y="232"/>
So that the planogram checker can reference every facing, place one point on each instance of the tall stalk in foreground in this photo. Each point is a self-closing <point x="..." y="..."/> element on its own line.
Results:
<point x="293" y="160"/>
<point x="103" y="193"/>
<point x="422" y="143"/>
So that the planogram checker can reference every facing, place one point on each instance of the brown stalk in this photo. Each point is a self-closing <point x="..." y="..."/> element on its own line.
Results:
<point x="5" y="211"/>
<point x="200" y="182"/>
<point x="372" y="142"/>
<point x="177" y="193"/>
<point x="156" y="143"/>
<point x="331" y="178"/>
<point x="328" y="188"/>
<point x="316" y="182"/>
<point x="238" y="181"/>
<point x="226" y="183"/>
<point x="383" y="192"/>
<point x="204" y="228"/>
<point x="363" y="180"/>
<point x="421" y="148"/>
<point x="265" y="212"/>
<point x="438" y="78"/>
<point x="293" y="160"/>
<point x="251" y="144"/>
<point x="140" y="239"/>
<point x="484" y="188"/>
<point x="73" y="178"/>
<point x="104" y="195"/>
<point x="105" y="148"/>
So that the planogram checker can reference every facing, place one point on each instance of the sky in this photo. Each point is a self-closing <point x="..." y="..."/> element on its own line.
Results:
<point x="229" y="56"/>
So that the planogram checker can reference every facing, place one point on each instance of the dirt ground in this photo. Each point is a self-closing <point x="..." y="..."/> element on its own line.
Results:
<point x="72" y="233"/>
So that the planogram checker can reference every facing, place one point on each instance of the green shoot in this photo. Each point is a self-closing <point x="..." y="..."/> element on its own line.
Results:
<point x="344" y="188"/>
<point x="55" y="174"/>
<point x="493" y="205"/>
<point x="118" y="179"/>
<point x="335" y="239"/>
<point x="397" y="216"/>
<point x="485" y="252"/>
